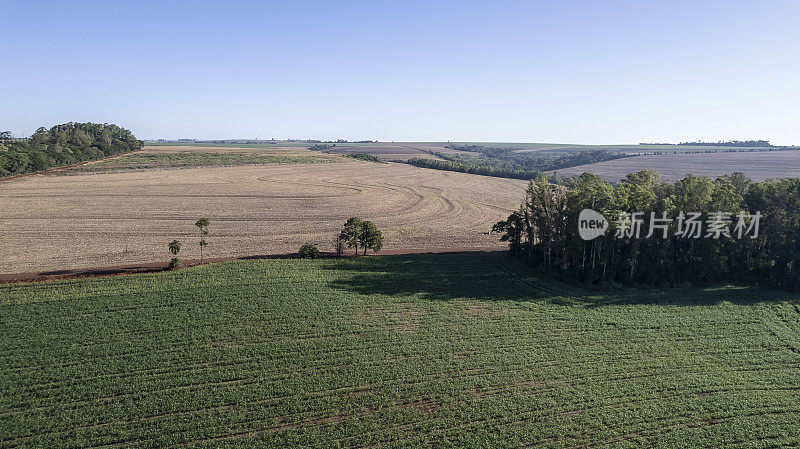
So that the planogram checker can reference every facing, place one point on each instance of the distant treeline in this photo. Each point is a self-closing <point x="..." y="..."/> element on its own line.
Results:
<point x="327" y="147"/>
<point x="66" y="144"/>
<point x="731" y="143"/>
<point x="728" y="143"/>
<point x="322" y="147"/>
<point x="362" y="157"/>
<point x="508" y="163"/>
<point x="719" y="244"/>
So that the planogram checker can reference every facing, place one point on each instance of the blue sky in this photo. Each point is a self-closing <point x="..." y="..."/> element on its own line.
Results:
<point x="551" y="71"/>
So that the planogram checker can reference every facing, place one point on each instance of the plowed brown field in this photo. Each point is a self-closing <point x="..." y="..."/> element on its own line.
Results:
<point x="758" y="165"/>
<point x="52" y="222"/>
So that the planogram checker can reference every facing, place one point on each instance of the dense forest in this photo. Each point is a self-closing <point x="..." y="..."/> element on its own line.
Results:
<point x="544" y="231"/>
<point x="65" y="144"/>
<point x="508" y="163"/>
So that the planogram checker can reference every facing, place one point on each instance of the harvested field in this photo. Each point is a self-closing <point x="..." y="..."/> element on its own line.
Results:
<point x="53" y="222"/>
<point x="448" y="350"/>
<point x="757" y="165"/>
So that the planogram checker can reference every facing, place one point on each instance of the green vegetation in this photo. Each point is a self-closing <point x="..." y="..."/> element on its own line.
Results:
<point x="202" y="225"/>
<point x="65" y="144"/>
<point x="544" y="231"/>
<point x="174" y="248"/>
<point x="328" y="148"/>
<point x="510" y="163"/>
<point x="360" y="233"/>
<point x="140" y="161"/>
<point x="308" y="251"/>
<point x="446" y="350"/>
<point x="256" y="145"/>
<point x="324" y="147"/>
<point x="362" y="157"/>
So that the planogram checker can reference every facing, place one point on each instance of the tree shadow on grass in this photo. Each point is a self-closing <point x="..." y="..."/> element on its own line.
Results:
<point x="443" y="276"/>
<point x="495" y="276"/>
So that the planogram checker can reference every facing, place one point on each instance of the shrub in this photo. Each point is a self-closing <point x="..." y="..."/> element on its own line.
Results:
<point x="174" y="263"/>
<point x="363" y="157"/>
<point x="309" y="251"/>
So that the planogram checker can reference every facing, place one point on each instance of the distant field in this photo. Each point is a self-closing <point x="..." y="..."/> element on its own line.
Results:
<point x="276" y="145"/>
<point x="400" y="151"/>
<point x="388" y="151"/>
<point x="89" y="219"/>
<point x="466" y="350"/>
<point x="153" y="158"/>
<point x="148" y="160"/>
<point x="625" y="148"/>
<point x="756" y="165"/>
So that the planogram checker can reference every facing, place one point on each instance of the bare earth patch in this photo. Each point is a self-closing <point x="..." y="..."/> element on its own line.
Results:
<point x="54" y="222"/>
<point x="757" y="165"/>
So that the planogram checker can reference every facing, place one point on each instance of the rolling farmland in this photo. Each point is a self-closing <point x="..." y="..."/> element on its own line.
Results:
<point x="758" y="166"/>
<point x="387" y="151"/>
<point x="127" y="213"/>
<point x="451" y="349"/>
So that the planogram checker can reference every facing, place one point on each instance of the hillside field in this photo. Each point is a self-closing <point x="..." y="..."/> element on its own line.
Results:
<point x="758" y="165"/>
<point x="464" y="349"/>
<point x="124" y="210"/>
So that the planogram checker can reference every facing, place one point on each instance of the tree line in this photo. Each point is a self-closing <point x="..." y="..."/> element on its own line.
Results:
<point x="65" y="144"/>
<point x="509" y="163"/>
<point x="544" y="230"/>
<point x="731" y="143"/>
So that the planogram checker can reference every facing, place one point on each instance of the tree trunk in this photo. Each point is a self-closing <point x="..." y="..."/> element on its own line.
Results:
<point x="583" y="260"/>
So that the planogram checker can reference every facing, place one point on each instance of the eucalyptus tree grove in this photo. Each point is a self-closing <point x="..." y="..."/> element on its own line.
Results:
<point x="661" y="233"/>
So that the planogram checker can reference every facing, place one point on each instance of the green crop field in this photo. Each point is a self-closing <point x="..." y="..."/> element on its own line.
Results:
<point x="254" y="146"/>
<point x="462" y="349"/>
<point x="141" y="160"/>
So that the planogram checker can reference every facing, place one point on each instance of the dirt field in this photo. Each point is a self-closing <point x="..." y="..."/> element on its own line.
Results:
<point x="55" y="222"/>
<point x="756" y="165"/>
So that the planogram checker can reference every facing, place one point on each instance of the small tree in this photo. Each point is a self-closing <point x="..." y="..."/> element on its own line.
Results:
<point x="350" y="233"/>
<point x="369" y="236"/>
<point x="202" y="224"/>
<point x="309" y="251"/>
<point x="174" y="247"/>
<point x="339" y="244"/>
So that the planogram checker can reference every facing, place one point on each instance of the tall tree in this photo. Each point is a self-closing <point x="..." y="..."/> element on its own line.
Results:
<point x="370" y="237"/>
<point x="202" y="225"/>
<point x="350" y="232"/>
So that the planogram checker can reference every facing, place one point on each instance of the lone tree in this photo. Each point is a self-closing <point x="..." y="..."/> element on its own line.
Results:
<point x="351" y="232"/>
<point x="202" y="224"/>
<point x="174" y="247"/>
<point x="369" y="236"/>
<point x="361" y="233"/>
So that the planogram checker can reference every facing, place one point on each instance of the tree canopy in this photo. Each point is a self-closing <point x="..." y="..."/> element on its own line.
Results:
<point x="361" y="233"/>
<point x="509" y="163"/>
<point x="65" y="144"/>
<point x="544" y="230"/>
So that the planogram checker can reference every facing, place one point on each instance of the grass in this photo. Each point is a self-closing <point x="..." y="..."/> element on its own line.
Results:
<point x="451" y="349"/>
<point x="141" y="160"/>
